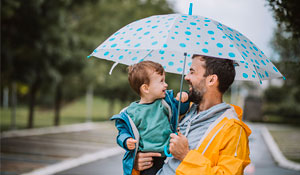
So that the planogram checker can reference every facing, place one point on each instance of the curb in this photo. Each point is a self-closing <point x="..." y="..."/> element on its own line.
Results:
<point x="71" y="163"/>
<point x="276" y="153"/>
<point x="50" y="130"/>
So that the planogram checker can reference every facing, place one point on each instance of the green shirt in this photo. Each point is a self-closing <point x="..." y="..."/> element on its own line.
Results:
<point x="153" y="125"/>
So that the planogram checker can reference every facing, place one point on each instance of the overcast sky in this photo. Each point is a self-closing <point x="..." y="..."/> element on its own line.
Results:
<point x="250" y="17"/>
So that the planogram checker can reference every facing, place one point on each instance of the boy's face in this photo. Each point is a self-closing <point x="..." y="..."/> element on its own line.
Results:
<point x="157" y="86"/>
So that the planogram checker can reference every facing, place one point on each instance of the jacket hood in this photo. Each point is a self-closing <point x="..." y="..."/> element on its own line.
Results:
<point x="239" y="113"/>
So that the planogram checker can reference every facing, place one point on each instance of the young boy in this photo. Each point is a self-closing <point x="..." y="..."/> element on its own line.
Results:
<point x="149" y="121"/>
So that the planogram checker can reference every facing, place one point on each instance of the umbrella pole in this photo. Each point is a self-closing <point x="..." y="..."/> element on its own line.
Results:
<point x="181" y="84"/>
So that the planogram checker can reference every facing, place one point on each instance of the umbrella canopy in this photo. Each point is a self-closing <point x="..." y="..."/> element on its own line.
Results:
<point x="165" y="39"/>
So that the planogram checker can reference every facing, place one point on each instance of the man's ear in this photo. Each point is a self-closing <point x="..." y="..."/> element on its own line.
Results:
<point x="212" y="80"/>
<point x="144" y="89"/>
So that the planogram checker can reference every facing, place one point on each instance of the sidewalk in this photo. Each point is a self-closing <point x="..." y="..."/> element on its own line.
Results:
<point x="51" y="150"/>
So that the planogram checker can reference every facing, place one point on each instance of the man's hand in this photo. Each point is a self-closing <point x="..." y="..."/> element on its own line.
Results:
<point x="184" y="96"/>
<point x="130" y="142"/>
<point x="179" y="146"/>
<point x="144" y="160"/>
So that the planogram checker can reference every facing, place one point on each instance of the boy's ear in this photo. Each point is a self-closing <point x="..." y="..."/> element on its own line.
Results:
<point x="144" y="88"/>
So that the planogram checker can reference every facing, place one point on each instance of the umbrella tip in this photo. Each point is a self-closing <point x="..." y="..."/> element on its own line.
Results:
<point x="191" y="9"/>
<point x="283" y="77"/>
<point x="88" y="57"/>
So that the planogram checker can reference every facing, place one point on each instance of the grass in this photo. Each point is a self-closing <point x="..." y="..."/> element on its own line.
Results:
<point x="71" y="113"/>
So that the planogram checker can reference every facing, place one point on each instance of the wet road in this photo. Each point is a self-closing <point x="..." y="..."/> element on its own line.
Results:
<point x="262" y="162"/>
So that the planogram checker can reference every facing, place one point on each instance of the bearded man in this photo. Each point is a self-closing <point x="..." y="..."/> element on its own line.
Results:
<point x="212" y="138"/>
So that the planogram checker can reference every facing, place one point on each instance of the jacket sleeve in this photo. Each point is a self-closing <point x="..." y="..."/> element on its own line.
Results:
<point x="123" y="134"/>
<point x="233" y="156"/>
<point x="184" y="107"/>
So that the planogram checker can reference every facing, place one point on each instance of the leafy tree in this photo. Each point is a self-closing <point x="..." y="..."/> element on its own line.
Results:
<point x="284" y="101"/>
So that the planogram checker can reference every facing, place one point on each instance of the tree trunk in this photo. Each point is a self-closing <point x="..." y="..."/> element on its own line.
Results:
<point x="32" y="98"/>
<point x="57" y="105"/>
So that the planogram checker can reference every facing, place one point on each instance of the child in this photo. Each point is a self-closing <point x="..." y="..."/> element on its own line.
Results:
<point x="147" y="124"/>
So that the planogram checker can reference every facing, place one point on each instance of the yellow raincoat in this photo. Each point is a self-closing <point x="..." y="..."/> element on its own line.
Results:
<point x="224" y="148"/>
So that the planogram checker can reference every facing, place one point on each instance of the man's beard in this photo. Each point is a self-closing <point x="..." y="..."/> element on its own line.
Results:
<point x="195" y="95"/>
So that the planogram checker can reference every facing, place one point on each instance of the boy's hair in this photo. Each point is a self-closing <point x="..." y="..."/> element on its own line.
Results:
<point x="139" y="74"/>
<point x="223" y="68"/>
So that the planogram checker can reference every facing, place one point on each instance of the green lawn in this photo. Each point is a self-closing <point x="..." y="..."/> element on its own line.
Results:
<point x="74" y="112"/>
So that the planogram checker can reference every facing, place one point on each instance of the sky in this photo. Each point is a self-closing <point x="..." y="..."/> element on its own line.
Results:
<point x="252" y="18"/>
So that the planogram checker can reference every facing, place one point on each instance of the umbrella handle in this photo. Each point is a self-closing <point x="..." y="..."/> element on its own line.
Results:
<point x="166" y="150"/>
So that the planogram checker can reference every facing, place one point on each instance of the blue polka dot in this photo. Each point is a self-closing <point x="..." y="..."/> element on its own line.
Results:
<point x="198" y="28"/>
<point x="188" y="28"/>
<point x="176" y="26"/>
<point x="267" y="60"/>
<point x="198" y="36"/>
<point x="148" y="21"/>
<point x="172" y="37"/>
<point x="253" y="76"/>
<point x="255" y="48"/>
<point x="188" y="33"/>
<point x="165" y="45"/>
<point x="116" y="33"/>
<point x="219" y="45"/>
<point x="262" y="61"/>
<point x="114" y="45"/>
<point x="127" y="41"/>
<point x="121" y="57"/>
<point x="206" y="43"/>
<point x="206" y="20"/>
<point x="210" y="32"/>
<point x="212" y="38"/>
<point x="182" y="45"/>
<point x="231" y="45"/>
<point x="171" y="63"/>
<point x="161" y="52"/>
<point x="205" y="50"/>
<point x="237" y="38"/>
<point x="243" y="46"/>
<point x="257" y="62"/>
<point x="190" y="63"/>
<point x="137" y="45"/>
<point x="220" y="54"/>
<point x="172" y="55"/>
<point x="230" y="54"/>
<point x="134" y="58"/>
<point x="266" y="73"/>
<point x="179" y="69"/>
<point x="162" y="58"/>
<point x="139" y="29"/>
<point x="146" y="33"/>
<point x="106" y="53"/>
<point x="245" y="75"/>
<point x="154" y="43"/>
<point x="95" y="51"/>
<point x="198" y="43"/>
<point x="154" y="27"/>
<point x="193" y="23"/>
<point x="111" y="39"/>
<point x="275" y="69"/>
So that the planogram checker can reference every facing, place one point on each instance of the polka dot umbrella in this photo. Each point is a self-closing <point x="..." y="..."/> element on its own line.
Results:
<point x="165" y="39"/>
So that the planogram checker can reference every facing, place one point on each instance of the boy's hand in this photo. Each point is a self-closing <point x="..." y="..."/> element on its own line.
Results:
<point x="130" y="143"/>
<point x="184" y="96"/>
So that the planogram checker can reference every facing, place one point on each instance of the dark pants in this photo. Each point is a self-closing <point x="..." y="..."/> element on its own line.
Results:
<point x="158" y="162"/>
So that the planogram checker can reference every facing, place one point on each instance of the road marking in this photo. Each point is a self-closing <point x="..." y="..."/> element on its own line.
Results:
<point x="71" y="163"/>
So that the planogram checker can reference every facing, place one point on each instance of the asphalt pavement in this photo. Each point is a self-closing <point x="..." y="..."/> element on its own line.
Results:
<point x="262" y="161"/>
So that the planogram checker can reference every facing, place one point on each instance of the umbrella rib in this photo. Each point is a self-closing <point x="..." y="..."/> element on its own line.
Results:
<point x="257" y="74"/>
<point x="147" y="54"/>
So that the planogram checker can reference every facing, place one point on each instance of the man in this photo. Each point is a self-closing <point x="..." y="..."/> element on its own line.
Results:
<point x="212" y="137"/>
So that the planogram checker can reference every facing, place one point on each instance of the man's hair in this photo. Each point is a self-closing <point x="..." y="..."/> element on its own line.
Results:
<point x="139" y="74"/>
<point x="223" y="68"/>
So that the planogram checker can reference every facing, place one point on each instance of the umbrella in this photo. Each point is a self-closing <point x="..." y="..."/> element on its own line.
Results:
<point x="172" y="39"/>
<point x="165" y="39"/>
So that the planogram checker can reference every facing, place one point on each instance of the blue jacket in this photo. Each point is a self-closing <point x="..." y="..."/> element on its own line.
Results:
<point x="126" y="128"/>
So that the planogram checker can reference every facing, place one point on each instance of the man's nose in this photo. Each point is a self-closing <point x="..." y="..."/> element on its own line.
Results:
<point x="187" y="77"/>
